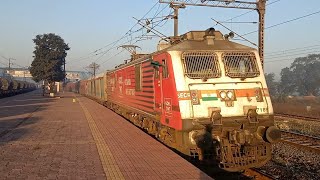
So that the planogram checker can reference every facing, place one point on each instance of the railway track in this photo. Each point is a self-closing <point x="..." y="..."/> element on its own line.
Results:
<point x="308" y="118"/>
<point x="299" y="140"/>
<point x="258" y="174"/>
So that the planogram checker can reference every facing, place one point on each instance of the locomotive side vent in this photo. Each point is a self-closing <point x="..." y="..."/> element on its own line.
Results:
<point x="240" y="64"/>
<point x="201" y="65"/>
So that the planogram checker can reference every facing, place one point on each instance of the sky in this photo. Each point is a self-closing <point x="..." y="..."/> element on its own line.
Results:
<point x="88" y="26"/>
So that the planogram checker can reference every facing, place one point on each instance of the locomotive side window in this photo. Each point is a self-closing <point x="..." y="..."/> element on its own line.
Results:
<point x="156" y="72"/>
<point x="240" y="64"/>
<point x="201" y="65"/>
<point x="138" y="77"/>
<point x="165" y="73"/>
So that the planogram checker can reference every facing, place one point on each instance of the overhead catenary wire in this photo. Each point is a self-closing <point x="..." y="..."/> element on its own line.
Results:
<point x="297" y="52"/>
<point x="250" y="11"/>
<point x="8" y="59"/>
<point x="112" y="57"/>
<point x="3" y="63"/>
<point x="291" y="59"/>
<point x="113" y="47"/>
<point x="158" y="22"/>
<point x="135" y="38"/>
<point x="139" y="38"/>
<point x="234" y="32"/>
<point x="285" y="22"/>
<point x="313" y="49"/>
<point x="292" y="49"/>
<point x="128" y="33"/>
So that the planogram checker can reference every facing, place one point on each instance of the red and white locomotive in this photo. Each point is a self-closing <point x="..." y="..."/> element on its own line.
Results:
<point x="203" y="95"/>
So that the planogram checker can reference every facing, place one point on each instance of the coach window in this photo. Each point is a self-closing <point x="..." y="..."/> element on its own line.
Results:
<point x="165" y="73"/>
<point x="138" y="77"/>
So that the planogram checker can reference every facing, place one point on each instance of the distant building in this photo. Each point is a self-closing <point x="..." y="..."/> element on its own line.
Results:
<point x="76" y="75"/>
<point x="24" y="74"/>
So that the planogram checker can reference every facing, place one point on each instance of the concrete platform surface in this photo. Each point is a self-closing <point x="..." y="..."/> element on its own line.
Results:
<point x="57" y="138"/>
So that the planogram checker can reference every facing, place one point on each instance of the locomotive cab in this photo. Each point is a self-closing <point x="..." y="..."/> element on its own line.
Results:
<point x="223" y="99"/>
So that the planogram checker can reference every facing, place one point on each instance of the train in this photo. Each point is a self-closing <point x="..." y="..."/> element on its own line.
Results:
<point x="201" y="94"/>
<point x="11" y="87"/>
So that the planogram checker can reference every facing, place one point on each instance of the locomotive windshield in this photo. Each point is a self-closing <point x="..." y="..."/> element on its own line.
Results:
<point x="200" y="65"/>
<point x="240" y="64"/>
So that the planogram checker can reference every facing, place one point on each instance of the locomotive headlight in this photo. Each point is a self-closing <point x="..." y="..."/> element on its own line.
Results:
<point x="223" y="94"/>
<point x="227" y="95"/>
<point x="194" y="97"/>
<point x="230" y="94"/>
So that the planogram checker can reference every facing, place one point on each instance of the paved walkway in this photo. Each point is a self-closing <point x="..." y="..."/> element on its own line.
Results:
<point x="44" y="138"/>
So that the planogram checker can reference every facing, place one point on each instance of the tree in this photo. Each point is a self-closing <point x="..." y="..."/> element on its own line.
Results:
<point x="307" y="74"/>
<point x="49" y="57"/>
<point x="302" y="77"/>
<point x="272" y="85"/>
<point x="287" y="84"/>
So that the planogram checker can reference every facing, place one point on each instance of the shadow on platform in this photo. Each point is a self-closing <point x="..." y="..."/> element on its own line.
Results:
<point x="11" y="112"/>
<point x="13" y="129"/>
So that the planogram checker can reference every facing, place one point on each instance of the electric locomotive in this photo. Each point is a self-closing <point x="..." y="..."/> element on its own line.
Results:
<point x="201" y="94"/>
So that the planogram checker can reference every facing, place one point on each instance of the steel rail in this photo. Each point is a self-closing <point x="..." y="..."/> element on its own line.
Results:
<point x="299" y="140"/>
<point x="259" y="174"/>
<point x="307" y="118"/>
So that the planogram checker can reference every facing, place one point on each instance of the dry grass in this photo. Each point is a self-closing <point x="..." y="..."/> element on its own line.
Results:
<point x="298" y="106"/>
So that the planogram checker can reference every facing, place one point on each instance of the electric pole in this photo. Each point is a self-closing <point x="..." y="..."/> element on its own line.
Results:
<point x="9" y="67"/>
<point x="94" y="66"/>
<point x="176" y="16"/>
<point x="65" y="75"/>
<point x="259" y="6"/>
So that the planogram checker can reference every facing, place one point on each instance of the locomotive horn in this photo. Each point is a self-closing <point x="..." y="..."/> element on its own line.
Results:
<point x="231" y="35"/>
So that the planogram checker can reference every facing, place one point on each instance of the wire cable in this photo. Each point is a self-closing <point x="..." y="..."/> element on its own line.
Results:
<point x="285" y="22"/>
<point x="249" y="12"/>
<point x="114" y="42"/>
<point x="293" y="49"/>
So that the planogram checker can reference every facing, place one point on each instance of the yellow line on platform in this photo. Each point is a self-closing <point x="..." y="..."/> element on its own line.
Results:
<point x="110" y="167"/>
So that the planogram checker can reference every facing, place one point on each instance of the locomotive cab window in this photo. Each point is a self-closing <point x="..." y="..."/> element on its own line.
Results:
<point x="240" y="64"/>
<point x="138" y="77"/>
<point x="165" y="72"/>
<point x="201" y="65"/>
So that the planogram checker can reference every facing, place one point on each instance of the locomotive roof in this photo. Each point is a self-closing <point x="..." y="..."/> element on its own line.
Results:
<point x="196" y="40"/>
<point x="219" y="45"/>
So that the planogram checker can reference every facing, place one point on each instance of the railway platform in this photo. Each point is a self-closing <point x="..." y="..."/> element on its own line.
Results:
<point x="73" y="137"/>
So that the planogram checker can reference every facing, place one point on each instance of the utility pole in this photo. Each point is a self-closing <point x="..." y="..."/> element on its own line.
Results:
<point x="65" y="75"/>
<point x="94" y="66"/>
<point x="176" y="16"/>
<point x="24" y="75"/>
<point x="259" y="6"/>
<point x="9" y="67"/>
